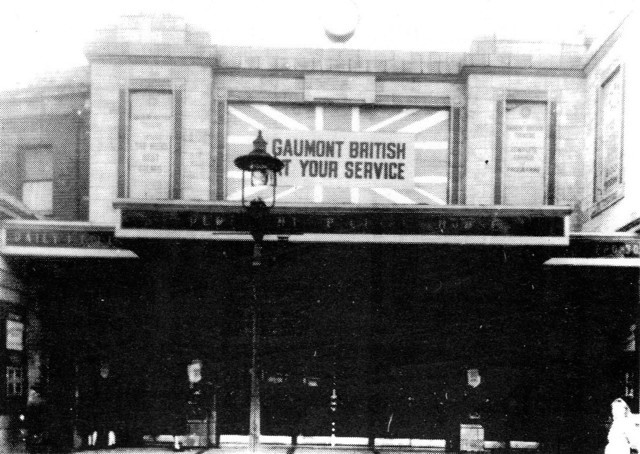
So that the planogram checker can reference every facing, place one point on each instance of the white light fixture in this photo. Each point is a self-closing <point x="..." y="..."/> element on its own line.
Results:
<point x="340" y="18"/>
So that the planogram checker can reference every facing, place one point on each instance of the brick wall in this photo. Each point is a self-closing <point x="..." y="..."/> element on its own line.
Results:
<point x="55" y="119"/>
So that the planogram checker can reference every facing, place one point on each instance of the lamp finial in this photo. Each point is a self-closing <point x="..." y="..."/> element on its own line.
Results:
<point x="259" y="143"/>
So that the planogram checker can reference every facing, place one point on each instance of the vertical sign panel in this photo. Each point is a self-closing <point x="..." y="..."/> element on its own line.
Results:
<point x="176" y="144"/>
<point x="454" y="158"/>
<point x="524" y="154"/>
<point x="123" y="165"/>
<point x="553" y="120"/>
<point x="150" y="144"/>
<point x="608" y="175"/>
<point x="497" y="184"/>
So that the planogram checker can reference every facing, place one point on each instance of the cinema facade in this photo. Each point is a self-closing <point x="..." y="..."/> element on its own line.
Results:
<point x="451" y="262"/>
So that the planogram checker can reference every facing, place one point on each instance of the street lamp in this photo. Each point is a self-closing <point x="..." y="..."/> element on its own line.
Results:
<point x="263" y="171"/>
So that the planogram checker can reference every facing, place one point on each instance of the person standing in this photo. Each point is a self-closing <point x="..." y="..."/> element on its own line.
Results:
<point x="195" y="404"/>
<point x="104" y="430"/>
<point x="622" y="433"/>
<point x="37" y="423"/>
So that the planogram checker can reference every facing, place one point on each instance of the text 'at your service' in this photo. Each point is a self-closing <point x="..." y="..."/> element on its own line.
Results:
<point x="342" y="159"/>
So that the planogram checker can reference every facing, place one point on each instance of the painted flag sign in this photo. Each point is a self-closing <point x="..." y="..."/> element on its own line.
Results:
<point x="352" y="155"/>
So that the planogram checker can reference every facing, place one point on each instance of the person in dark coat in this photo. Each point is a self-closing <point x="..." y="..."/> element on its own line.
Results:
<point x="195" y="405"/>
<point x="180" y="422"/>
<point x="104" y="421"/>
<point x="37" y="421"/>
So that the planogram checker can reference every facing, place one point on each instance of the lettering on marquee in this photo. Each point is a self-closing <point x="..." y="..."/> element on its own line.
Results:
<point x="415" y="223"/>
<point x="606" y="247"/>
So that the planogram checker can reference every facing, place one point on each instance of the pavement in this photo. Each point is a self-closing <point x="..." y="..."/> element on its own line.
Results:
<point x="243" y="449"/>
<point x="264" y="449"/>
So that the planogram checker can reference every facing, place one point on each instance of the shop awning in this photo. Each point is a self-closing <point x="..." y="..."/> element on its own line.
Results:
<point x="49" y="252"/>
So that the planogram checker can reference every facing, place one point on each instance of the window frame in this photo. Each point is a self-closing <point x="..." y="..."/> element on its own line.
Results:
<point x="14" y="320"/>
<point x="14" y="378"/>
<point x="22" y="176"/>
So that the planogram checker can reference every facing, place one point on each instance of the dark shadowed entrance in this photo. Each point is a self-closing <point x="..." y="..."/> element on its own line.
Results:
<point x="357" y="341"/>
<point x="589" y="340"/>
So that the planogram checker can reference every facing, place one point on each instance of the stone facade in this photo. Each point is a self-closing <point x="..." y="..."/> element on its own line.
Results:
<point x="55" y="114"/>
<point x="143" y="52"/>
<point x="108" y="80"/>
<point x="615" y="52"/>
<point x="484" y="91"/>
<point x="85" y="118"/>
<point x="474" y="81"/>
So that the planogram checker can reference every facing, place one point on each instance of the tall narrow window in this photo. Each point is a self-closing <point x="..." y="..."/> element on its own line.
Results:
<point x="37" y="179"/>
<point x="524" y="157"/>
<point x="151" y="144"/>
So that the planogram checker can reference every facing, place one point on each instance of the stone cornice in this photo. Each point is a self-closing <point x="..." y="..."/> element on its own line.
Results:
<point x="44" y="91"/>
<point x="295" y="61"/>
<point x="178" y="54"/>
<point x="523" y="71"/>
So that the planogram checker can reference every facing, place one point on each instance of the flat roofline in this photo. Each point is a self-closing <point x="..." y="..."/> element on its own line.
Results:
<point x="289" y="59"/>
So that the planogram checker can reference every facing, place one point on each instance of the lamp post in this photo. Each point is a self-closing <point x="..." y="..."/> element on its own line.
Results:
<point x="263" y="171"/>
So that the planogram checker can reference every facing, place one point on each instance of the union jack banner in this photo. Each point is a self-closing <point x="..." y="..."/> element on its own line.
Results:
<point x="428" y="129"/>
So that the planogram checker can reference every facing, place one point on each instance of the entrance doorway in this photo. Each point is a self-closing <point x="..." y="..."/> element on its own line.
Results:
<point x="394" y="331"/>
<point x="591" y="359"/>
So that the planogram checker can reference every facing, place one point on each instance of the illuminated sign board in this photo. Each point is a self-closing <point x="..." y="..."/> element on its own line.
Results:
<point x="598" y="246"/>
<point x="60" y="239"/>
<point x="326" y="224"/>
<point x="608" y="182"/>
